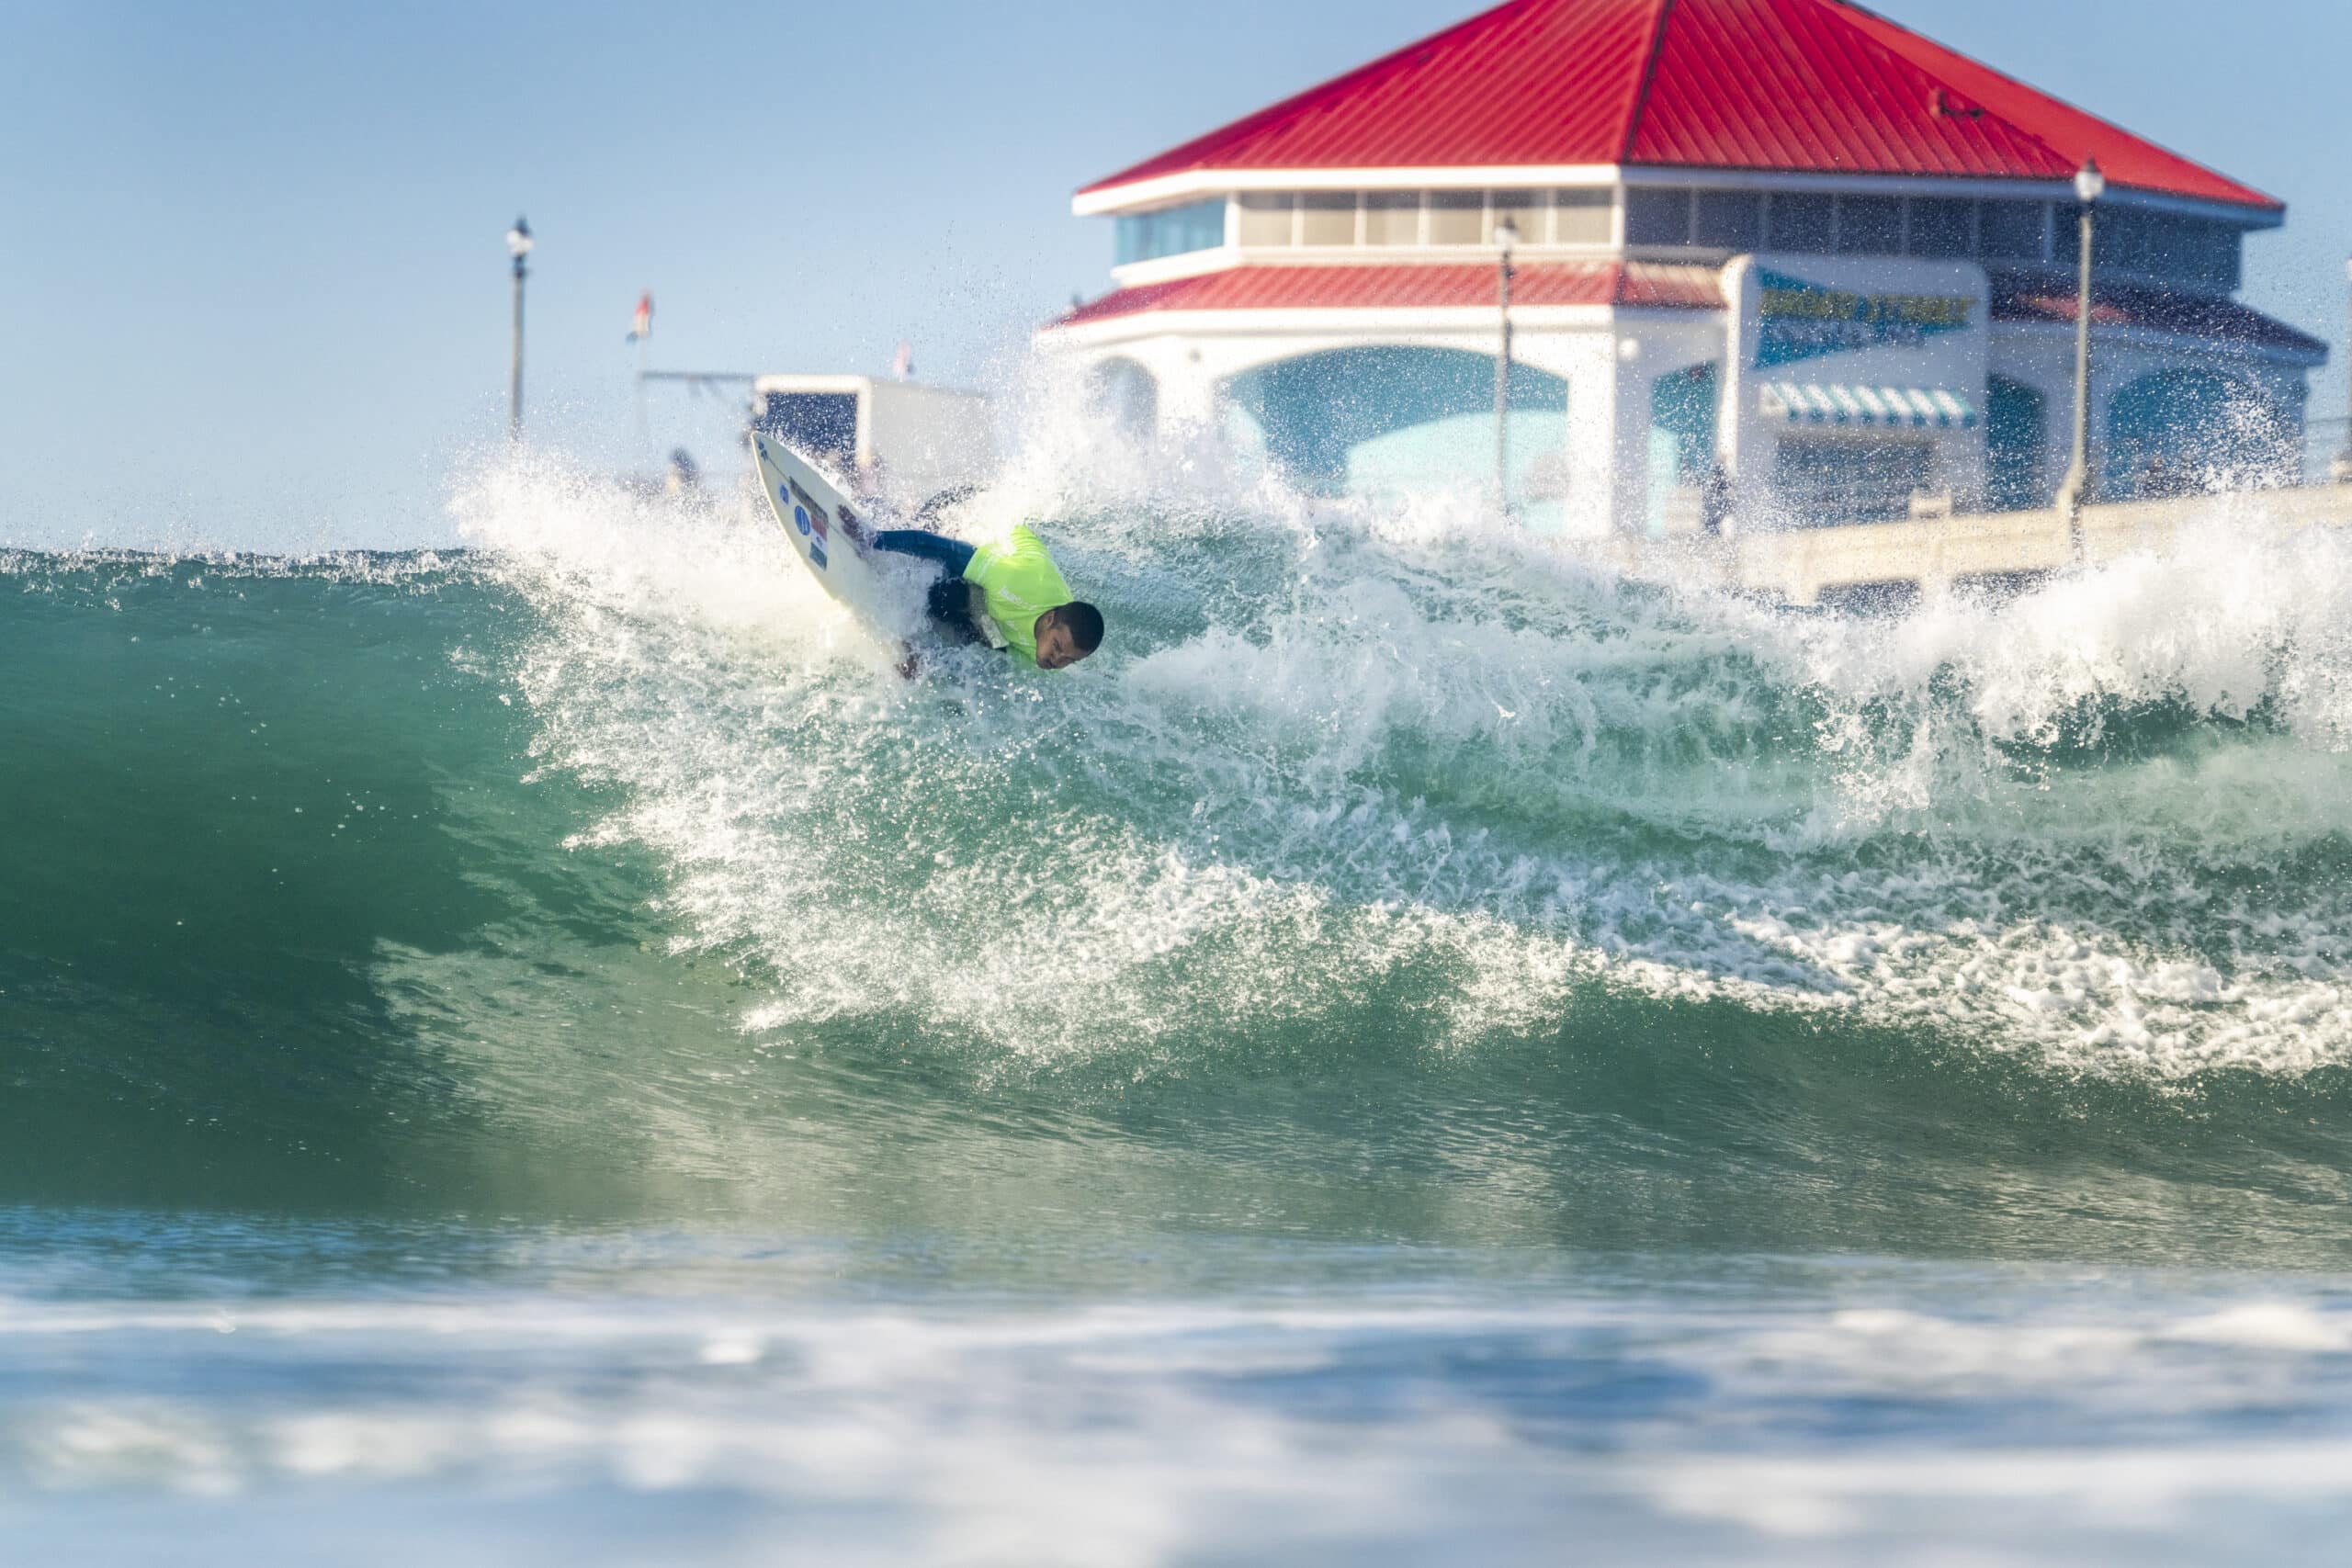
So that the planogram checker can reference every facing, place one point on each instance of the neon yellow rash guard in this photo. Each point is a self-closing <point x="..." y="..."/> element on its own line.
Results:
<point x="1019" y="582"/>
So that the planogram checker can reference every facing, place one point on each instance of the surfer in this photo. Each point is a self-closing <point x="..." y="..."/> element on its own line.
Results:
<point x="1013" y="585"/>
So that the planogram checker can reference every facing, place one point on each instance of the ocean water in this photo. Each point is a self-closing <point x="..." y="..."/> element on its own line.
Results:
<point x="549" y="1052"/>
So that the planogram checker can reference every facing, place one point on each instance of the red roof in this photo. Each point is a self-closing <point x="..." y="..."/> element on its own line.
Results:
<point x="1413" y="287"/>
<point x="1814" y="86"/>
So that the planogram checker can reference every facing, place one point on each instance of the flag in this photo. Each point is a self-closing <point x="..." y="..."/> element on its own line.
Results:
<point x="902" y="364"/>
<point x="643" y="327"/>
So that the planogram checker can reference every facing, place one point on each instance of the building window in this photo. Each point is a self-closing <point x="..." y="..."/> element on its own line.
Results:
<point x="1942" y="227"/>
<point x="2160" y="244"/>
<point x="1870" y="226"/>
<point x="1803" y="224"/>
<point x="1147" y="236"/>
<point x="1530" y="213"/>
<point x="1827" y="479"/>
<point x="2127" y="239"/>
<point x="2017" y="231"/>
<point x="2213" y="254"/>
<point x="1730" y="220"/>
<point x="1392" y="218"/>
<point x="1583" y="217"/>
<point x="1327" y="218"/>
<point x="1269" y="219"/>
<point x="1458" y="217"/>
<point x="1657" y="217"/>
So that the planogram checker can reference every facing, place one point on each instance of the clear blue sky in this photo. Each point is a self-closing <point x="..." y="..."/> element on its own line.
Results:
<point x="254" y="252"/>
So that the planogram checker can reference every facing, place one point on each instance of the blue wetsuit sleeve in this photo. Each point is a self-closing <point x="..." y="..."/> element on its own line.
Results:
<point x="953" y="554"/>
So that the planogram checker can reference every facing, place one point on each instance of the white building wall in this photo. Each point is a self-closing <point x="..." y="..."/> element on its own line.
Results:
<point x="1586" y="360"/>
<point x="1648" y="346"/>
<point x="1611" y="359"/>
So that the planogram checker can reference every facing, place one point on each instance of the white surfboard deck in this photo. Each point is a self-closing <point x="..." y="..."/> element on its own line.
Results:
<point x="813" y="512"/>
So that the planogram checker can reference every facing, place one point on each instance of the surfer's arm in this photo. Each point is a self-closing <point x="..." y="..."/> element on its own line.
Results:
<point x="953" y="554"/>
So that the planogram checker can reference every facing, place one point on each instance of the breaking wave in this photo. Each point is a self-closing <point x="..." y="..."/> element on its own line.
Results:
<point x="620" y="830"/>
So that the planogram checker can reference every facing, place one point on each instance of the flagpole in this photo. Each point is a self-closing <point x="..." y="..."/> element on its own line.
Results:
<point x="644" y="424"/>
<point x="640" y="330"/>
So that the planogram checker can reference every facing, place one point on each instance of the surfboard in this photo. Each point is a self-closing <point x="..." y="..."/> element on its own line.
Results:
<point x="826" y="531"/>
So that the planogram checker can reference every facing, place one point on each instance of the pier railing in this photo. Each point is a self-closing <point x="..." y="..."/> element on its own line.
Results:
<point x="1884" y="561"/>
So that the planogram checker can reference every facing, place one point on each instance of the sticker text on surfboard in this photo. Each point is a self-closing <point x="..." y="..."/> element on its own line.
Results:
<point x="810" y="519"/>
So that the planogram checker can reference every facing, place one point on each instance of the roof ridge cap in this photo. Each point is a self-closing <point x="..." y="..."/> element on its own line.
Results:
<point x="1640" y="103"/>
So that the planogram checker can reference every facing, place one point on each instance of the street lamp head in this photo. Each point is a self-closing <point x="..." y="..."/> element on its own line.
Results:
<point x="518" y="238"/>
<point x="2089" y="184"/>
<point x="1506" y="236"/>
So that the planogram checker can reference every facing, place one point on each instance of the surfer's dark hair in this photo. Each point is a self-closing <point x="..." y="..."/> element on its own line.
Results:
<point x="1084" y="623"/>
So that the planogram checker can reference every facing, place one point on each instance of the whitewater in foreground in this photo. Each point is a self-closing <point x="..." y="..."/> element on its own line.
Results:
<point x="548" y="1052"/>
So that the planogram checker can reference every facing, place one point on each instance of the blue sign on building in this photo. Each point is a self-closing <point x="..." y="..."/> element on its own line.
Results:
<point x="1798" y="319"/>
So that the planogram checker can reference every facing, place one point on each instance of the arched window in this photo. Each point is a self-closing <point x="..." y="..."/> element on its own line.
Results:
<point x="2177" y="432"/>
<point x="2017" y="446"/>
<point x="1387" y="418"/>
<point x="1683" y="436"/>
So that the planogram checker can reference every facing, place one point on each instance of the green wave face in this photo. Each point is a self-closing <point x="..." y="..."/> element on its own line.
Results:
<point x="1374" y="882"/>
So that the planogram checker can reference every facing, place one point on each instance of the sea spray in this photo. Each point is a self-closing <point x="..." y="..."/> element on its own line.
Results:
<point x="2101" y="819"/>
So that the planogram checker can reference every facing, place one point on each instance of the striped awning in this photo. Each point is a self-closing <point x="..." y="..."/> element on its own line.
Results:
<point x="1817" y="403"/>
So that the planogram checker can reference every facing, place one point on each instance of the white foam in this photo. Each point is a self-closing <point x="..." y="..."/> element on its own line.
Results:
<point x="1360" y="744"/>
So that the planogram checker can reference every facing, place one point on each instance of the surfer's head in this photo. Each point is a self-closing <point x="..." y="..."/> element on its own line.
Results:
<point x="1067" y="634"/>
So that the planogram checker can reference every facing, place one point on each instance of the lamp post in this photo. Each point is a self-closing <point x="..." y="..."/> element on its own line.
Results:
<point x="2089" y="185"/>
<point x="2341" y="469"/>
<point x="518" y="243"/>
<point x="1506" y="242"/>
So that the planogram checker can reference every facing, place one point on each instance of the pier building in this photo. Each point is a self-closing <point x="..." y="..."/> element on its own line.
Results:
<point x="1776" y="263"/>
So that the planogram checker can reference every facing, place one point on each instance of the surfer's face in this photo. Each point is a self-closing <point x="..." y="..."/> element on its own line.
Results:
<point x="1055" y="648"/>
